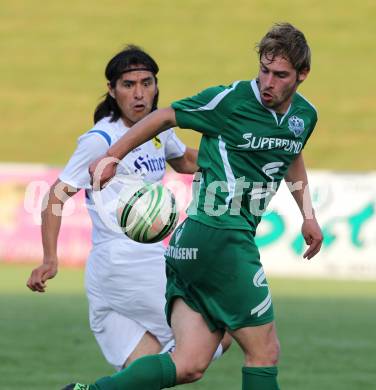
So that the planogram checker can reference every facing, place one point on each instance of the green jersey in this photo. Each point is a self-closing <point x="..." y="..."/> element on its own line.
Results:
<point x="245" y="151"/>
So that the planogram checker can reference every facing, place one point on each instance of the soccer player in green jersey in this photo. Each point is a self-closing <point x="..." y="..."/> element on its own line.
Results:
<point x="253" y="134"/>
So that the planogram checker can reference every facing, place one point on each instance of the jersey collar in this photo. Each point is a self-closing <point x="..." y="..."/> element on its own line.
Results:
<point x="121" y="126"/>
<point x="256" y="91"/>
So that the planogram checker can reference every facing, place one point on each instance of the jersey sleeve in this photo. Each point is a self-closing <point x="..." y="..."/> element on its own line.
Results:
<point x="174" y="148"/>
<point x="205" y="112"/>
<point x="90" y="147"/>
<point x="311" y="128"/>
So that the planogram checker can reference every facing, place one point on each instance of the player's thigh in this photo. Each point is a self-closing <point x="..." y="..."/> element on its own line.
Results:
<point x="148" y="345"/>
<point x="195" y="343"/>
<point x="259" y="343"/>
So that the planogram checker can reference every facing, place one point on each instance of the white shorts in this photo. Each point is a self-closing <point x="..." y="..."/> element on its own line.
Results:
<point x="125" y="286"/>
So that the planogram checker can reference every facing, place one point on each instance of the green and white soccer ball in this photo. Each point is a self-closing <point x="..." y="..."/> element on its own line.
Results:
<point x="147" y="213"/>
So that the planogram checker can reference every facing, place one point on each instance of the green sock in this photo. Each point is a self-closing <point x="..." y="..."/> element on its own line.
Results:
<point x="152" y="372"/>
<point x="260" y="378"/>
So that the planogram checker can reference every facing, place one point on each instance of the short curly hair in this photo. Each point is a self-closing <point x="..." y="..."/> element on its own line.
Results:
<point x="283" y="39"/>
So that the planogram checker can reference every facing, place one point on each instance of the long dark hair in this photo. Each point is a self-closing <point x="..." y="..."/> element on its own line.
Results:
<point x="130" y="56"/>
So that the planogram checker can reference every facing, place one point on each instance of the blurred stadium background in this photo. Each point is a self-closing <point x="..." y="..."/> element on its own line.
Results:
<point x="51" y="72"/>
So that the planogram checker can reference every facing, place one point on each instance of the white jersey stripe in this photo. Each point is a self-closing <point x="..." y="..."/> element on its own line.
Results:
<point x="263" y="306"/>
<point x="216" y="100"/>
<point x="230" y="178"/>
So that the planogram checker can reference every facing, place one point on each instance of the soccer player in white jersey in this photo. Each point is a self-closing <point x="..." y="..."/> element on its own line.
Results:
<point x="254" y="132"/>
<point x="125" y="281"/>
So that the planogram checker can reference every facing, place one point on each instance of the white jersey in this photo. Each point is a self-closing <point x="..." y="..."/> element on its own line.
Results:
<point x="125" y="280"/>
<point x="148" y="160"/>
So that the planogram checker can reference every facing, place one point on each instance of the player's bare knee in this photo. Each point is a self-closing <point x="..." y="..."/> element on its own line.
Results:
<point x="266" y="356"/>
<point x="190" y="370"/>
<point x="273" y="349"/>
<point x="192" y="374"/>
<point x="273" y="352"/>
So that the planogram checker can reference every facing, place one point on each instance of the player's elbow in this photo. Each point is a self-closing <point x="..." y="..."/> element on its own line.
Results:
<point x="183" y="165"/>
<point x="187" y="167"/>
<point x="186" y="163"/>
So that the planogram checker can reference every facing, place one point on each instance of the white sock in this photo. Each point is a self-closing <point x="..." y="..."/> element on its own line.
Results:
<point x="218" y="353"/>
<point x="169" y="347"/>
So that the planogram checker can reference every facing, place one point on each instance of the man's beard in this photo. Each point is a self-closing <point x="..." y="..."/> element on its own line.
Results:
<point x="286" y="95"/>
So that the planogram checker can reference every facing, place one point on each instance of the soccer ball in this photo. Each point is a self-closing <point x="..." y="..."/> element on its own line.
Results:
<point x="147" y="213"/>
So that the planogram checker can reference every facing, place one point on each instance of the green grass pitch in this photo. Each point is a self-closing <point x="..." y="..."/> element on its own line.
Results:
<point x="327" y="332"/>
<point x="51" y="73"/>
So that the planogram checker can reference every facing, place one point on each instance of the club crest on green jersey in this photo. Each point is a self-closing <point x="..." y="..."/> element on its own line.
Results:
<point x="296" y="125"/>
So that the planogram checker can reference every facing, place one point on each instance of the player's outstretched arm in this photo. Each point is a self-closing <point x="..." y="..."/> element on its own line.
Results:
<point x="58" y="194"/>
<point x="297" y="181"/>
<point x="147" y="128"/>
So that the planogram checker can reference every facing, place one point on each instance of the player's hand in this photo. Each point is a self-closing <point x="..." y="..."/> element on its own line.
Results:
<point x="102" y="171"/>
<point x="39" y="276"/>
<point x="313" y="237"/>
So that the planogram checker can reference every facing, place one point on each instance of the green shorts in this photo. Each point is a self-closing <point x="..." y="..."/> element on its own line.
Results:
<point x="217" y="272"/>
